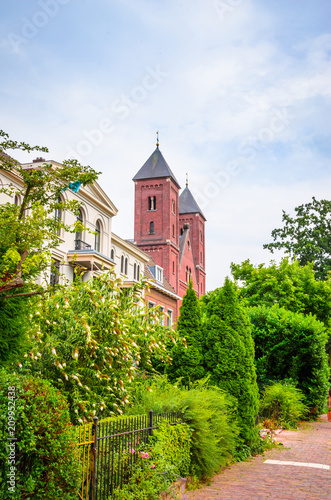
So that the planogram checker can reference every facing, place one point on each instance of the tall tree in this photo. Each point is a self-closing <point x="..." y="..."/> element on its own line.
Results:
<point x="287" y="284"/>
<point x="187" y="360"/>
<point x="229" y="354"/>
<point x="29" y="232"/>
<point x="307" y="236"/>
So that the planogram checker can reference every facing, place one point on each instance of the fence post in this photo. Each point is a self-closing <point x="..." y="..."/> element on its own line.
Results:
<point x="94" y="451"/>
<point x="150" y="430"/>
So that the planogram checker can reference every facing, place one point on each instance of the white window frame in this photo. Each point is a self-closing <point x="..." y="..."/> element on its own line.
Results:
<point x="159" y="274"/>
<point x="170" y="317"/>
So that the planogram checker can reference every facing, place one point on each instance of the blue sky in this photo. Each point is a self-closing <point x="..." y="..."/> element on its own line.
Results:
<point x="239" y="90"/>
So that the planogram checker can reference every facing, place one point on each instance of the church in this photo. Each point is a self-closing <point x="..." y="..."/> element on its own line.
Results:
<point x="169" y="226"/>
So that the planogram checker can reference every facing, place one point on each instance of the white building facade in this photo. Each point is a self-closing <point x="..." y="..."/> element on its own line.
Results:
<point x="95" y="249"/>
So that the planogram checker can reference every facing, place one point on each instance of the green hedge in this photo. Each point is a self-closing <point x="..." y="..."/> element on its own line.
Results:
<point x="291" y="346"/>
<point x="46" y="466"/>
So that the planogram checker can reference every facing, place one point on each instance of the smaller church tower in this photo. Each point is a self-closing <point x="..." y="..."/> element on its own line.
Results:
<point x="192" y="218"/>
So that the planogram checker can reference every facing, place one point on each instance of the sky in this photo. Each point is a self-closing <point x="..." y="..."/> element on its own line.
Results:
<point x="239" y="91"/>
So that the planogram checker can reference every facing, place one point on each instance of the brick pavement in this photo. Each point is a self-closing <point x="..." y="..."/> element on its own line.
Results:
<point x="255" y="480"/>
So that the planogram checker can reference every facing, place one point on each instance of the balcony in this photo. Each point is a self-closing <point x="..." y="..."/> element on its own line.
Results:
<point x="83" y="255"/>
<point x="81" y="245"/>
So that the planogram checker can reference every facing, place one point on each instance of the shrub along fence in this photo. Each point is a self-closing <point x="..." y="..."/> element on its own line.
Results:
<point x="108" y="449"/>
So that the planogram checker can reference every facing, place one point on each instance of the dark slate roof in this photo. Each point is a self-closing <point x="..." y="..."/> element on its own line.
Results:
<point x="155" y="167"/>
<point x="188" y="205"/>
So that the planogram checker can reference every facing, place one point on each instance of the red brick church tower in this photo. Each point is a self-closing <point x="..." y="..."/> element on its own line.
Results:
<point x="169" y="227"/>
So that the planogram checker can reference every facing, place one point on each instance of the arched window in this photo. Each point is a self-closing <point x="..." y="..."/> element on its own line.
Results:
<point x="173" y="207"/>
<point x="80" y="218"/>
<point x="97" y="244"/>
<point x="17" y="200"/>
<point x="126" y="266"/>
<point x="122" y="264"/>
<point x="173" y="267"/>
<point x="135" y="271"/>
<point x="58" y="214"/>
<point x="151" y="228"/>
<point x="138" y="272"/>
<point x="112" y="254"/>
<point x="173" y="230"/>
<point x="55" y="271"/>
<point x="152" y="203"/>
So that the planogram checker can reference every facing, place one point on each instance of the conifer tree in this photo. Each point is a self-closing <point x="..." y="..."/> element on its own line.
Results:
<point x="229" y="354"/>
<point x="187" y="361"/>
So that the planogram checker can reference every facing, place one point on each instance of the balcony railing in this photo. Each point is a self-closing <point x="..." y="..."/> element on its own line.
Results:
<point x="81" y="245"/>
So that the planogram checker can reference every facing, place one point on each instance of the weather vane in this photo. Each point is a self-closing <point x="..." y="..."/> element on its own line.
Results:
<point x="157" y="139"/>
<point x="186" y="179"/>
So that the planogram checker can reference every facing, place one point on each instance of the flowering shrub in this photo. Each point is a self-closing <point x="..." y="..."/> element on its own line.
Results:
<point x="146" y="481"/>
<point x="88" y="339"/>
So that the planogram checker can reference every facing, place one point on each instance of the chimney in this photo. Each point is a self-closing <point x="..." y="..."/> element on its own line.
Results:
<point x="37" y="160"/>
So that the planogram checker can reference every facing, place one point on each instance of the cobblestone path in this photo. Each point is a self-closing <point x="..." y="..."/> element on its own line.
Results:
<point x="256" y="480"/>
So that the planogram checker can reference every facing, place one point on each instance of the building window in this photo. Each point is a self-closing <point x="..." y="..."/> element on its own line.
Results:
<point x="112" y="254"/>
<point x="169" y="317"/>
<point x="122" y="264"/>
<point x="173" y="267"/>
<point x="57" y="214"/>
<point x="173" y="230"/>
<point x="173" y="207"/>
<point x="55" y="271"/>
<point x="80" y="218"/>
<point x="200" y="256"/>
<point x="151" y="228"/>
<point x="162" y="315"/>
<point x="159" y="274"/>
<point x="17" y="200"/>
<point x="150" y="304"/>
<point x="97" y="244"/>
<point x="201" y="287"/>
<point x="152" y="203"/>
<point x="200" y="236"/>
<point x="181" y="231"/>
<point x="126" y="266"/>
<point x="136" y="272"/>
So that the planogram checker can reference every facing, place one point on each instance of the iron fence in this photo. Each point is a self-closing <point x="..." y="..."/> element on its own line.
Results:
<point x="109" y="448"/>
